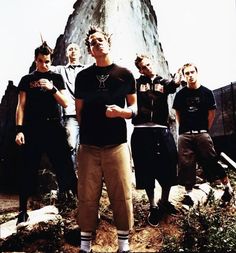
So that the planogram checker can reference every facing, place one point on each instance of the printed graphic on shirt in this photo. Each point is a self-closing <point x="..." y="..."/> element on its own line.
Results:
<point x="193" y="104"/>
<point x="34" y="84"/>
<point x="102" y="79"/>
<point x="144" y="87"/>
<point x="158" y="87"/>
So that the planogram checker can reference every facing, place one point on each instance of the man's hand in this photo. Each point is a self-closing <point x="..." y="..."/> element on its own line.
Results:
<point x="20" y="139"/>
<point x="113" y="111"/>
<point x="45" y="84"/>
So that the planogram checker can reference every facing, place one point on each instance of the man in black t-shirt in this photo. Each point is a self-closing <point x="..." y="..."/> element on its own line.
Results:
<point x="195" y="111"/>
<point x="39" y="129"/>
<point x="102" y="91"/>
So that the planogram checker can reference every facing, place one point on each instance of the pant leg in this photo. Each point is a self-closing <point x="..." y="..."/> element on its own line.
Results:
<point x="72" y="130"/>
<point x="208" y="158"/>
<point x="142" y="147"/>
<point x="117" y="175"/>
<point x="29" y="157"/>
<point x="58" y="152"/>
<point x="187" y="160"/>
<point x="89" y="186"/>
<point x="166" y="160"/>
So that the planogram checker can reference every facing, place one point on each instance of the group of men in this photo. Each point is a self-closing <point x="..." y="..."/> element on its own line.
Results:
<point x="97" y="100"/>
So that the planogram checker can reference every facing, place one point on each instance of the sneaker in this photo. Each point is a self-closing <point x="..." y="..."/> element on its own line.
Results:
<point x="227" y="196"/>
<point x="187" y="200"/>
<point x="154" y="216"/>
<point x="22" y="217"/>
<point x="167" y="207"/>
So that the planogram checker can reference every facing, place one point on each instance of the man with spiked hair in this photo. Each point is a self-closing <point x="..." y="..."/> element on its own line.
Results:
<point x="102" y="91"/>
<point x="39" y="129"/>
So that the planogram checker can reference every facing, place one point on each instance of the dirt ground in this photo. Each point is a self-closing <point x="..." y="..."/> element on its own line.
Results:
<point x="144" y="238"/>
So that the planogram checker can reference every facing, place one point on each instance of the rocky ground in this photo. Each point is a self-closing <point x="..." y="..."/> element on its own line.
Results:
<point x="144" y="238"/>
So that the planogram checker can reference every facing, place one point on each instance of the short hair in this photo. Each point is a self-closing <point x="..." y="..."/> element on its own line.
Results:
<point x="44" y="49"/>
<point x="139" y="58"/>
<point x="72" y="44"/>
<point x="189" y="65"/>
<point x="94" y="29"/>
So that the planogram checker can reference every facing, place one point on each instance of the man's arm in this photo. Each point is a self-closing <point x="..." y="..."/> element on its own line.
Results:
<point x="78" y="107"/>
<point x="20" y="138"/>
<point x="114" y="111"/>
<point x="59" y="95"/>
<point x="177" y="114"/>
<point x="211" y="117"/>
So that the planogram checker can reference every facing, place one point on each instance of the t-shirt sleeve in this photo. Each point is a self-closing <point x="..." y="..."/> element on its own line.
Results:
<point x="132" y="83"/>
<point x="211" y="101"/>
<point x="78" y="83"/>
<point x="22" y="84"/>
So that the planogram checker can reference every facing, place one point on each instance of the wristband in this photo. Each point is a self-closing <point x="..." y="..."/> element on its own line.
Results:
<point x="53" y="90"/>
<point x="133" y="113"/>
<point x="19" y="129"/>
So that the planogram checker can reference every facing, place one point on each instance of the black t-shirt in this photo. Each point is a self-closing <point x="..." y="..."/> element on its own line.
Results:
<point x="40" y="104"/>
<point x="193" y="106"/>
<point x="98" y="87"/>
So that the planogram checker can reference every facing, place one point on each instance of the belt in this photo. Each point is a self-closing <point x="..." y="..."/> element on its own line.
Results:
<point x="69" y="116"/>
<point x="196" y="132"/>
<point x="51" y="119"/>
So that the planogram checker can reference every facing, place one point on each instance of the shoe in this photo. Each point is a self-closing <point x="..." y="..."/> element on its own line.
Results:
<point x="167" y="207"/>
<point x="226" y="197"/>
<point x="154" y="216"/>
<point x="22" y="217"/>
<point x="83" y="251"/>
<point x="187" y="200"/>
<point x="124" y="251"/>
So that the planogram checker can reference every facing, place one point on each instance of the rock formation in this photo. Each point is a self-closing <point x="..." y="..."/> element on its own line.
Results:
<point x="132" y="23"/>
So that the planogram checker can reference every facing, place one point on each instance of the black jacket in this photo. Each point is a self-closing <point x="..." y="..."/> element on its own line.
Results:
<point x="153" y="104"/>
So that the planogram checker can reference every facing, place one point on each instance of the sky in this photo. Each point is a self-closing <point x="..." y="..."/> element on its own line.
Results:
<point x="198" y="31"/>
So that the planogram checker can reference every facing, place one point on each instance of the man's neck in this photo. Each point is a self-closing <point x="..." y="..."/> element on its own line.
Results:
<point x="74" y="62"/>
<point x="103" y="61"/>
<point x="195" y="85"/>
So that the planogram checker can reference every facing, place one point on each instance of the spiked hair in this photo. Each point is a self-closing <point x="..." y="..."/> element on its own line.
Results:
<point x="94" y="29"/>
<point x="44" y="49"/>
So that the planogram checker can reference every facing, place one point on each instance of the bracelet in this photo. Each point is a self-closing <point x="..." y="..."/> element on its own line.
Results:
<point x="53" y="90"/>
<point x="19" y="129"/>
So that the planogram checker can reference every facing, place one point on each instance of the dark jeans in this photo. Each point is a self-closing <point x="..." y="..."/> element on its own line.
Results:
<point x="45" y="137"/>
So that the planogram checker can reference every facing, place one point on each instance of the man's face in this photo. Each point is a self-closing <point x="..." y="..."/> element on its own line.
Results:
<point x="190" y="74"/>
<point x="145" y="67"/>
<point x="43" y="62"/>
<point x="99" y="45"/>
<point x="73" y="51"/>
